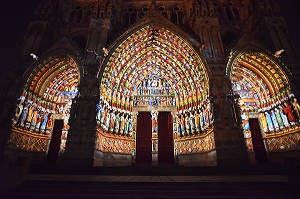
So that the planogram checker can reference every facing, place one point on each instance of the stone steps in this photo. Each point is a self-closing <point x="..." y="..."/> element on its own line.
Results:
<point x="141" y="187"/>
<point x="172" y="170"/>
<point x="138" y="182"/>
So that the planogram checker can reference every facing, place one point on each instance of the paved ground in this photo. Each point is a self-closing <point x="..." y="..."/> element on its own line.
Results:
<point x="143" y="186"/>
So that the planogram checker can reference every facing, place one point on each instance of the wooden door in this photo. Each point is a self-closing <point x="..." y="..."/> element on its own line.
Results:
<point x="165" y="138"/>
<point x="143" y="138"/>
<point x="55" y="141"/>
<point x="257" y="141"/>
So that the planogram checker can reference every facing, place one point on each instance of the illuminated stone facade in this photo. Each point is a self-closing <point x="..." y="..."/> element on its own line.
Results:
<point x="216" y="66"/>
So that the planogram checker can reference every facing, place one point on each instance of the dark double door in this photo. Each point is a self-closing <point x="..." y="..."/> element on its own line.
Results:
<point x="144" y="138"/>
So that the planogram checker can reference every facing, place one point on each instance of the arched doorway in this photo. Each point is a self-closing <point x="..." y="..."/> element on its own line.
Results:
<point x="153" y="79"/>
<point x="269" y="110"/>
<point x="42" y="111"/>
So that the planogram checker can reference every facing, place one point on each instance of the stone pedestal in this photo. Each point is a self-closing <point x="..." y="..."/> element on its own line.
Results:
<point x="230" y="144"/>
<point x="232" y="157"/>
<point x="229" y="138"/>
<point x="202" y="159"/>
<point x="80" y="148"/>
<point x="154" y="158"/>
<point x="111" y="159"/>
<point x="82" y="133"/>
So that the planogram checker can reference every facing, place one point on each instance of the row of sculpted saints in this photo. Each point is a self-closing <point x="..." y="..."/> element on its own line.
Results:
<point x="194" y="121"/>
<point x="279" y="117"/>
<point x="112" y="120"/>
<point x="36" y="116"/>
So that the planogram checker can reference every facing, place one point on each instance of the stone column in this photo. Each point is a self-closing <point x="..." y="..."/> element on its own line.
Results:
<point x="229" y="138"/>
<point x="8" y="108"/>
<point x="99" y="30"/>
<point x="82" y="133"/>
<point x="154" y="139"/>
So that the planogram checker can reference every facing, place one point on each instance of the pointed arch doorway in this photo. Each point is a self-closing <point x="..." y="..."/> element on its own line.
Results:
<point x="43" y="109"/>
<point x="150" y="70"/>
<point x="267" y="103"/>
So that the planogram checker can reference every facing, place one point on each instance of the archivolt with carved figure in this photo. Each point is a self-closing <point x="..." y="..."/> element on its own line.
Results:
<point x="154" y="69"/>
<point x="47" y="97"/>
<point x="265" y="94"/>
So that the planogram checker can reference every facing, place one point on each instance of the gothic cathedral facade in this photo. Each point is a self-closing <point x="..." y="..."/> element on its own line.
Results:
<point x="124" y="82"/>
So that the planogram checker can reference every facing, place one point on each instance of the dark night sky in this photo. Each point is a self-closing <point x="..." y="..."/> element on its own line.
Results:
<point x="291" y="12"/>
<point x="15" y="15"/>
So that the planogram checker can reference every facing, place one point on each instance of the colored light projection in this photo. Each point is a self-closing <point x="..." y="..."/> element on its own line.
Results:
<point x="153" y="91"/>
<point x="153" y="67"/>
<point x="265" y="94"/>
<point x="47" y="96"/>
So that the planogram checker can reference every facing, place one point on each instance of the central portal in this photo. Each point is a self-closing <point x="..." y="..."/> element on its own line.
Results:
<point x="154" y="100"/>
<point x="154" y="138"/>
